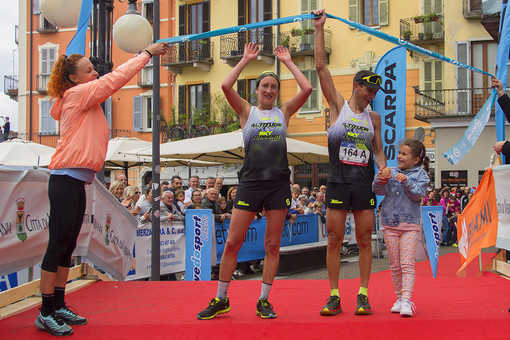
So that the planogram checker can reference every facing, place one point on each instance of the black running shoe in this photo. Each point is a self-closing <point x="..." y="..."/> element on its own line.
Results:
<point x="216" y="307"/>
<point x="70" y="317"/>
<point x="265" y="309"/>
<point x="53" y="324"/>
<point x="363" y="306"/>
<point x="332" y="307"/>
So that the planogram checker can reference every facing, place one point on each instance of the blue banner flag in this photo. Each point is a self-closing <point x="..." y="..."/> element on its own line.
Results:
<point x="502" y="67"/>
<point x="392" y="104"/>
<point x="199" y="229"/>
<point x="432" y="217"/>
<point x="473" y="131"/>
<point x="77" y="44"/>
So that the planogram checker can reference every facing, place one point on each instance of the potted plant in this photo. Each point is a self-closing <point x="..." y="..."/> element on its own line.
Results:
<point x="203" y="41"/>
<point x="407" y="35"/>
<point x="308" y="31"/>
<point x="426" y="18"/>
<point x="285" y="41"/>
<point x="429" y="35"/>
<point x="295" y="31"/>
<point x="421" y="35"/>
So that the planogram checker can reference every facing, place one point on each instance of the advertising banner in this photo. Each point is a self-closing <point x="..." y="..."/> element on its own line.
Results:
<point x="432" y="217"/>
<point x="502" y="188"/>
<point x="199" y="231"/>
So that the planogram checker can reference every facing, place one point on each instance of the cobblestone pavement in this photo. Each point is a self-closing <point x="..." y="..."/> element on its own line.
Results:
<point x="349" y="268"/>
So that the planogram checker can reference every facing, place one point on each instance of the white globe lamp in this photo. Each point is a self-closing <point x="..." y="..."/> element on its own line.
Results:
<point x="61" y="13"/>
<point x="132" y="32"/>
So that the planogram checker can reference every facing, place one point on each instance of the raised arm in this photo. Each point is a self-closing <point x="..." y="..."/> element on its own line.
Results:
<point x="333" y="97"/>
<point x="240" y="106"/>
<point x="290" y="107"/>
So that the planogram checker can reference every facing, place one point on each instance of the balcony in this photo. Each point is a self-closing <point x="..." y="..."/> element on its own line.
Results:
<point x="453" y="103"/>
<point x="41" y="138"/>
<point x="472" y="9"/>
<point x="41" y="82"/>
<point x="11" y="87"/>
<point x="232" y="45"/>
<point x="420" y="32"/>
<point x="45" y="26"/>
<point x="197" y="53"/>
<point x="302" y="44"/>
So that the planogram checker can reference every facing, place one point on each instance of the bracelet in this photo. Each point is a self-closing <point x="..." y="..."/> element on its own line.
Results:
<point x="150" y="54"/>
<point x="500" y="93"/>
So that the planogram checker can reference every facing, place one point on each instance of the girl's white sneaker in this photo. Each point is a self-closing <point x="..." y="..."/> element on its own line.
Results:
<point x="396" y="306"/>
<point x="407" y="308"/>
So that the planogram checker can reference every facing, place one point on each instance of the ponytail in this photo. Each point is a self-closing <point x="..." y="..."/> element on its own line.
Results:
<point x="59" y="80"/>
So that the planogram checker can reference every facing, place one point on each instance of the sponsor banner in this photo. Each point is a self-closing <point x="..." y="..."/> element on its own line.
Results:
<point x="171" y="249"/>
<point x="349" y="232"/>
<point x="432" y="217"/>
<point x="502" y="187"/>
<point x="392" y="104"/>
<point x="477" y="225"/>
<point x="107" y="234"/>
<point x="502" y="66"/>
<point x="305" y="229"/>
<point x="199" y="231"/>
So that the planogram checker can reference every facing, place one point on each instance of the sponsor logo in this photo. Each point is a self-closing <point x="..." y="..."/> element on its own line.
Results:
<point x="107" y="229"/>
<point x="288" y="202"/>
<point x="196" y="258"/>
<point x="243" y="203"/>
<point x="334" y="201"/>
<point x="20" y="213"/>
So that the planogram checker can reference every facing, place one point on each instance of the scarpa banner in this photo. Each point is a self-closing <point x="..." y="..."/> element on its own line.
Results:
<point x="199" y="237"/>
<point x="473" y="131"/>
<point x="392" y="104"/>
<point x="502" y="185"/>
<point x="305" y="229"/>
<point x="171" y="249"/>
<point x="478" y="223"/>
<point x="432" y="217"/>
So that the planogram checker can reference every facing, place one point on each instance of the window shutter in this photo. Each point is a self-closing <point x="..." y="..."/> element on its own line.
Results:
<point x="427" y="6"/>
<point x="241" y="12"/>
<point x="383" y="13"/>
<point x="438" y="6"/>
<point x="182" y="104"/>
<point x="241" y="88"/>
<point x="37" y="7"/>
<point x="182" y="20"/>
<point x="206" y="23"/>
<point x="206" y="96"/>
<point x="137" y="113"/>
<point x="44" y="117"/>
<point x="314" y="96"/>
<point x="353" y="12"/>
<point x="44" y="61"/>
<point x="462" y="78"/>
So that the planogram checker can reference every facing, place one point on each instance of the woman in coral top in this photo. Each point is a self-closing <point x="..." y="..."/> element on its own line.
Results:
<point x="80" y="154"/>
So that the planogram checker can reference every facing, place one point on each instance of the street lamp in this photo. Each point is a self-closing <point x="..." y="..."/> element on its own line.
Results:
<point x="131" y="33"/>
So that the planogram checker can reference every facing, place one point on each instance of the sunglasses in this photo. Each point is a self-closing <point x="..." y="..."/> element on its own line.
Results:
<point x="373" y="79"/>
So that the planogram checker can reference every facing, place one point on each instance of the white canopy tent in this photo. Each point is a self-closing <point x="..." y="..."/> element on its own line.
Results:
<point x="19" y="152"/>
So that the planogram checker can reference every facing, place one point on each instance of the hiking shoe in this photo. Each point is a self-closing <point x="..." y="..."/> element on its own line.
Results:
<point x="70" y="317"/>
<point x="407" y="308"/>
<point x="53" y="324"/>
<point x="332" y="307"/>
<point x="216" y="307"/>
<point x="396" y="306"/>
<point x="265" y="309"/>
<point x="363" y="307"/>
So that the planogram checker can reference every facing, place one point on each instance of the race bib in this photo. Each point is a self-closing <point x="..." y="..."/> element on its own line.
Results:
<point x="354" y="154"/>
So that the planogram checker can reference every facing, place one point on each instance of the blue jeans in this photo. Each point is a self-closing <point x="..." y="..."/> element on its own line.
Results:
<point x="446" y="229"/>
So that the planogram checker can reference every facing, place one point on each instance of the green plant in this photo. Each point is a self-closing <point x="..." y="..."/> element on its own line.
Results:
<point x="308" y="31"/>
<point x="296" y="32"/>
<point x="426" y="18"/>
<point x="285" y="41"/>
<point x="203" y="41"/>
<point x="407" y="34"/>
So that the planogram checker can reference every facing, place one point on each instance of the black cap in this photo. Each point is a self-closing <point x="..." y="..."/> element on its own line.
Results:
<point x="358" y="78"/>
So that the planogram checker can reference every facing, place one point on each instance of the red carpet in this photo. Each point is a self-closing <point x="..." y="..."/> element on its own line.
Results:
<point x="448" y="307"/>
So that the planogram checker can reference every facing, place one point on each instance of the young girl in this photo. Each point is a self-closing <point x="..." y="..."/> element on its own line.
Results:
<point x="403" y="191"/>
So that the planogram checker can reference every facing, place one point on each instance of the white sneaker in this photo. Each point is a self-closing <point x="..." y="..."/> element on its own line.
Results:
<point x="407" y="308"/>
<point x="396" y="306"/>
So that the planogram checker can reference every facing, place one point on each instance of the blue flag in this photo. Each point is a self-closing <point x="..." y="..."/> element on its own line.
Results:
<point x="392" y="104"/>
<point x="432" y="217"/>
<point x="77" y="44"/>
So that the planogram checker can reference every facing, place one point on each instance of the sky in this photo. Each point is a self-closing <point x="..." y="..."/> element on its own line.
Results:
<point x="8" y="48"/>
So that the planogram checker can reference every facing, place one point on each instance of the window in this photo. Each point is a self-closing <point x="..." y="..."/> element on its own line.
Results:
<point x="247" y="86"/>
<point x="47" y="57"/>
<point x="251" y="11"/>
<point x="194" y="18"/>
<point x="312" y="103"/>
<point x="142" y="112"/>
<point x="146" y="74"/>
<point x="36" y="7"/>
<point x="433" y="79"/>
<point x="47" y="126"/>
<point x="369" y="12"/>
<point x="194" y="103"/>
<point x="148" y="10"/>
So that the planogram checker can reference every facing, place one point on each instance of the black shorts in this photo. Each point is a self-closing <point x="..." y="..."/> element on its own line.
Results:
<point x="270" y="195"/>
<point x="350" y="197"/>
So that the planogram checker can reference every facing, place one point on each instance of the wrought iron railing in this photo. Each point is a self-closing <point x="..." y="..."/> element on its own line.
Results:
<point x="232" y="45"/>
<point x="48" y="139"/>
<point x="413" y="30"/>
<point x="472" y="8"/>
<point x="11" y="86"/>
<point x="304" y="44"/>
<point x="46" y="27"/>
<point x="449" y="103"/>
<point x="189" y="52"/>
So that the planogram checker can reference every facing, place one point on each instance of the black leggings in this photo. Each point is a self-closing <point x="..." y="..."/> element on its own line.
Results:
<point x="67" y="208"/>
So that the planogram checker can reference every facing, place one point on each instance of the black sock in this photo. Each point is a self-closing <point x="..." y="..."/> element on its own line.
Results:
<point x="48" y="304"/>
<point x="59" y="297"/>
